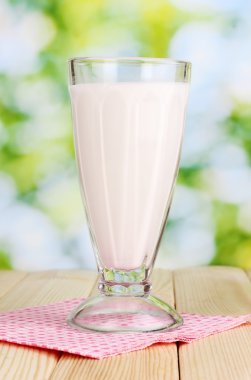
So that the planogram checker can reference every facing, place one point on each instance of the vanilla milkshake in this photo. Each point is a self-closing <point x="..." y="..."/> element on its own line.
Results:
<point x="128" y="137"/>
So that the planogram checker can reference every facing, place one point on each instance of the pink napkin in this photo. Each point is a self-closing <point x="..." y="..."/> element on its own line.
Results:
<point x="45" y="326"/>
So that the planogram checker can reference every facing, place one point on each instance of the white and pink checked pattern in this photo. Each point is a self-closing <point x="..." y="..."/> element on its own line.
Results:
<point x="45" y="327"/>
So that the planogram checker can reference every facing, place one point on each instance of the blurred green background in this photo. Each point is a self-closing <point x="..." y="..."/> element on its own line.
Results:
<point x="42" y="222"/>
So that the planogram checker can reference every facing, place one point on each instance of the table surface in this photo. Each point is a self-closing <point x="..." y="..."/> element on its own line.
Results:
<point x="205" y="290"/>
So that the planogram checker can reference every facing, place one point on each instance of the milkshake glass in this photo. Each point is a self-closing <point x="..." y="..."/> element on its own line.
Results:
<point x="128" y="117"/>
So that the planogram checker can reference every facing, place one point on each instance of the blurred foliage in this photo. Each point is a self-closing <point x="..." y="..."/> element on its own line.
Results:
<point x="238" y="126"/>
<point x="35" y="128"/>
<point x="233" y="244"/>
<point x="5" y="262"/>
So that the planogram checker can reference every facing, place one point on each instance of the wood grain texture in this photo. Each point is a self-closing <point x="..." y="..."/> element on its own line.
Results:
<point x="215" y="290"/>
<point x="9" y="279"/>
<point x="157" y="362"/>
<point x="212" y="290"/>
<point x="23" y="363"/>
<point x="43" y="287"/>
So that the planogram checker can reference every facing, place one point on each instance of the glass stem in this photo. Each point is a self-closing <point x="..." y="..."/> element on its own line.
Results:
<point x="124" y="282"/>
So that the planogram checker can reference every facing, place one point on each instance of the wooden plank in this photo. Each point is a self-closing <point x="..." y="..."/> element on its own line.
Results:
<point x="156" y="362"/>
<point x="8" y="279"/>
<point x="52" y="286"/>
<point x="215" y="290"/>
<point x="22" y="363"/>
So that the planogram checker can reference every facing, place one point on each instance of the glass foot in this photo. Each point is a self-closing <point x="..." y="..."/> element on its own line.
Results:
<point x="124" y="314"/>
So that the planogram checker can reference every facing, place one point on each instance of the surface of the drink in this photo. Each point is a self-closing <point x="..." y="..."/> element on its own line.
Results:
<point x="128" y="138"/>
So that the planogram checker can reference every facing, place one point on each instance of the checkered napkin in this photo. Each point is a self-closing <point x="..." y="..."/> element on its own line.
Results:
<point x="45" y="327"/>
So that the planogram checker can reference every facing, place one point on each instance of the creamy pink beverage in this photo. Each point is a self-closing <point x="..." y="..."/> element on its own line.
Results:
<point x="128" y="139"/>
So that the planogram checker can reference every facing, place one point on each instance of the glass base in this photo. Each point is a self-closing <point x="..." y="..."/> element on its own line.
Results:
<point x="124" y="314"/>
<point x="123" y="305"/>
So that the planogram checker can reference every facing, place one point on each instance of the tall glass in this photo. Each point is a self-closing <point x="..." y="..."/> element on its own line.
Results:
<point x="128" y="116"/>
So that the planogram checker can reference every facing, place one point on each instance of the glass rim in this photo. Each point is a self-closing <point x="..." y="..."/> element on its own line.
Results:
<point x="136" y="60"/>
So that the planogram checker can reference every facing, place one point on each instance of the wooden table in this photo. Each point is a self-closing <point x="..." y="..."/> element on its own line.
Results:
<point x="207" y="290"/>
